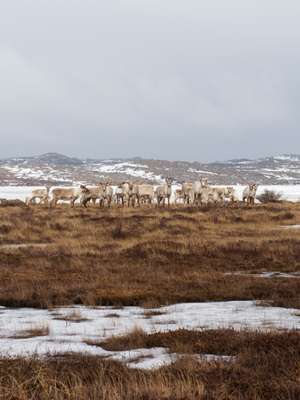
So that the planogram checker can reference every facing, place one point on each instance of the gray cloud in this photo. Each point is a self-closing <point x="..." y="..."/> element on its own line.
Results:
<point x="169" y="79"/>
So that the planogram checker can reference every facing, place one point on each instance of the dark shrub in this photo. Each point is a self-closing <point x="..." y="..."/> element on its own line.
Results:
<point x="269" y="196"/>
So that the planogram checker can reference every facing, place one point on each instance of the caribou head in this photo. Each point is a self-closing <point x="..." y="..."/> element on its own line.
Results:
<point x="169" y="181"/>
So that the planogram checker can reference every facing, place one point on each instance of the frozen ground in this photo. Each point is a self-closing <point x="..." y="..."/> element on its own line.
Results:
<point x="16" y="192"/>
<point x="71" y="329"/>
<point x="288" y="192"/>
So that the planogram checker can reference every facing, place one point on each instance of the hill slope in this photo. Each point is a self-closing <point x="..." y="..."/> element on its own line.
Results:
<point x="58" y="169"/>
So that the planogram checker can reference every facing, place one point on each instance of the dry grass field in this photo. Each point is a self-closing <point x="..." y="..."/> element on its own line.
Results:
<point x="147" y="256"/>
<point x="152" y="257"/>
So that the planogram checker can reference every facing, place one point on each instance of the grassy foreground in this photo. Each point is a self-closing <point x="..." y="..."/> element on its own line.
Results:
<point x="147" y="256"/>
<point x="266" y="366"/>
<point x="152" y="257"/>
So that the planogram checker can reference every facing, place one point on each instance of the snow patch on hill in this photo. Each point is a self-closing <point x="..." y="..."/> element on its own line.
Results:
<point x="128" y="168"/>
<point x="47" y="173"/>
<point x="287" y="157"/>
<point x="200" y="171"/>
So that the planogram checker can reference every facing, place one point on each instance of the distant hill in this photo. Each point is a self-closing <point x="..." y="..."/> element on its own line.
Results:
<point x="59" y="169"/>
<point x="54" y="159"/>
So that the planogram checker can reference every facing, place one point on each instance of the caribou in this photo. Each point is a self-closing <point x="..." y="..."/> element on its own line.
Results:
<point x="224" y="193"/>
<point x="125" y="193"/>
<point x="42" y="194"/>
<point x="143" y="194"/>
<point x="164" y="192"/>
<point x="179" y="195"/>
<point x="108" y="195"/>
<point x="71" y="194"/>
<point x="96" y="193"/>
<point x="249" y="193"/>
<point x="135" y="194"/>
<point x="187" y="192"/>
<point x="200" y="191"/>
<point x="102" y="192"/>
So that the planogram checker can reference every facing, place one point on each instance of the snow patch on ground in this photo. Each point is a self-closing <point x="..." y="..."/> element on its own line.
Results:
<point x="266" y="274"/>
<point x="100" y="323"/>
<point x="17" y="192"/>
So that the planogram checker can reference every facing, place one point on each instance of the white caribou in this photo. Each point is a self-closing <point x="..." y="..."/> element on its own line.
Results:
<point x="164" y="192"/>
<point x="42" y="194"/>
<point x="70" y="194"/>
<point x="249" y="193"/>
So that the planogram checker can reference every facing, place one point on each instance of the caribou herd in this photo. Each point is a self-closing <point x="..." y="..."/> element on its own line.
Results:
<point x="128" y="194"/>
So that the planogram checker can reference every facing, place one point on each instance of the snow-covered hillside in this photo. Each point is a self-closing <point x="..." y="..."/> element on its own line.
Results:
<point x="56" y="169"/>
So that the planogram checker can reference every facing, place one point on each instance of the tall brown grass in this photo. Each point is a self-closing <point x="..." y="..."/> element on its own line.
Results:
<point x="266" y="366"/>
<point x="147" y="256"/>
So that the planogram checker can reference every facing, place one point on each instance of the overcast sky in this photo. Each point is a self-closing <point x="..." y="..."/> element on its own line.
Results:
<point x="171" y="79"/>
